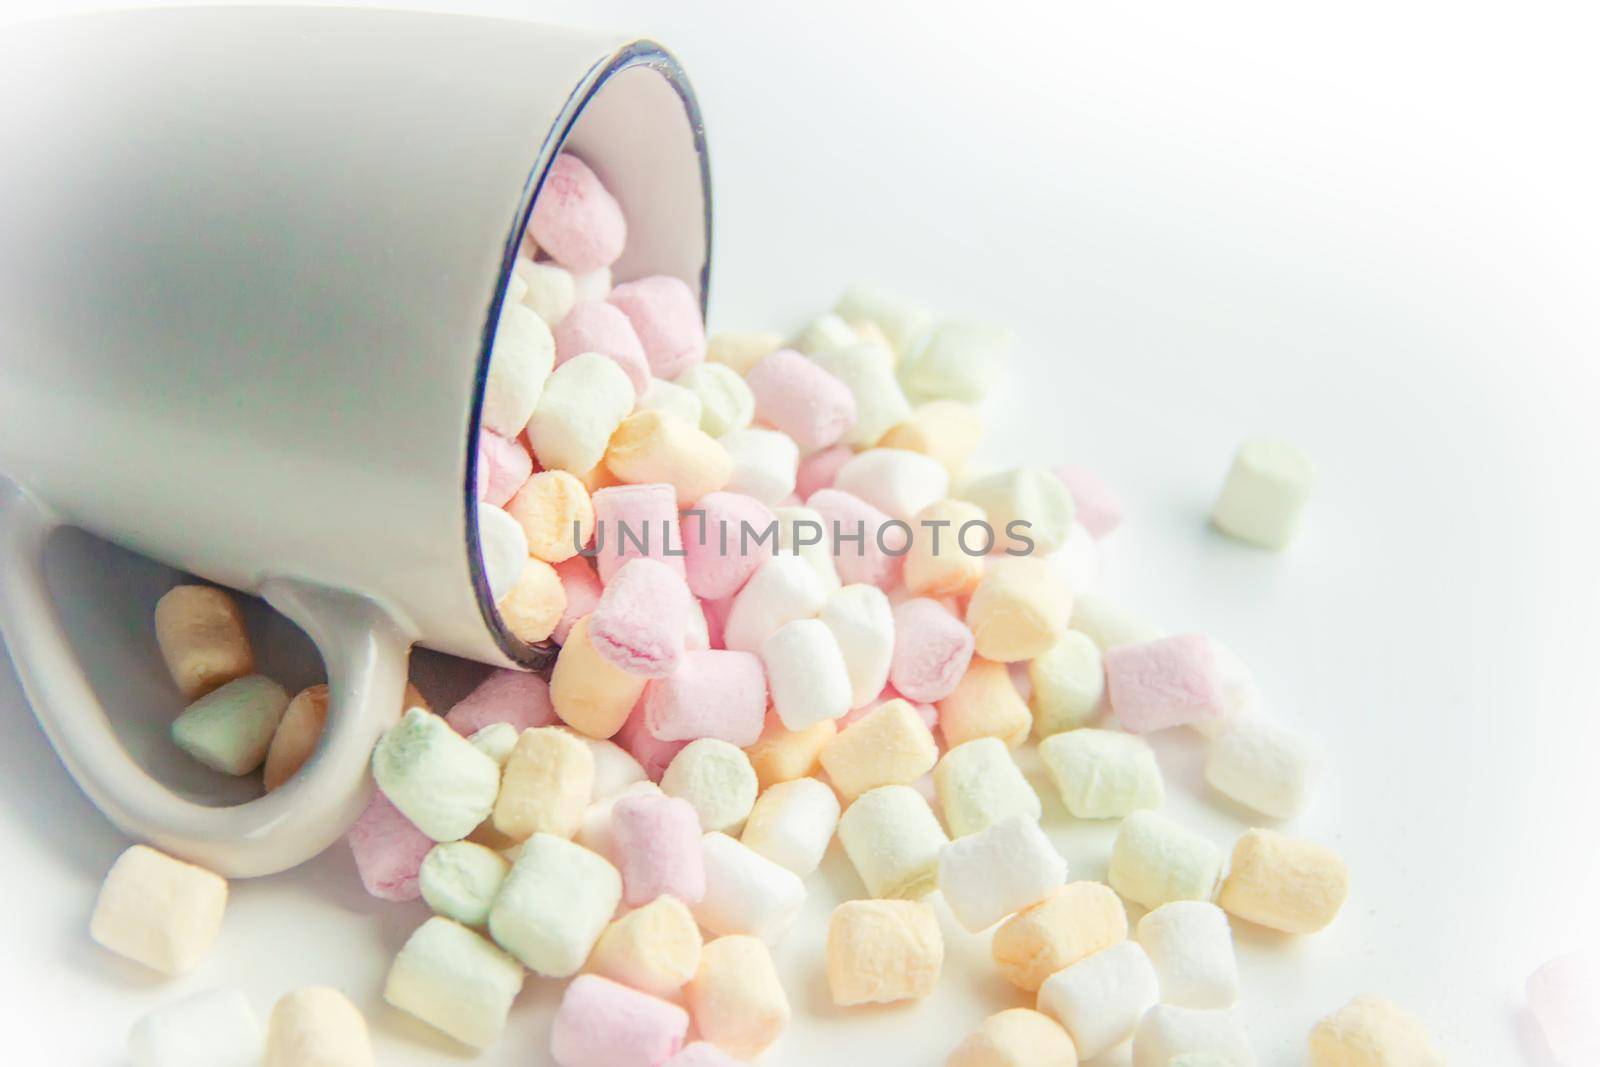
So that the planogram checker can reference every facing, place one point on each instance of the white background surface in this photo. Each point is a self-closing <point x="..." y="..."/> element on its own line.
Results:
<point x="1369" y="227"/>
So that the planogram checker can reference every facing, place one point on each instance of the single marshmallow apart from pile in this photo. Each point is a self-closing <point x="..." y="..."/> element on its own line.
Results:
<point x="159" y="911"/>
<point x="746" y="893"/>
<point x="735" y="998"/>
<point x="654" y="949"/>
<point x="880" y="951"/>
<point x="893" y="840"/>
<point x="455" y="981"/>
<point x="1372" y="1032"/>
<point x="1075" y="922"/>
<point x="317" y="1027"/>
<point x="202" y="638"/>
<point x="792" y="823"/>
<point x="999" y="871"/>
<point x="1099" y="1000"/>
<point x="1016" y="1037"/>
<point x="1167" y="1032"/>
<point x="1265" y="494"/>
<point x="1264" y="766"/>
<point x="979" y="785"/>
<point x="1284" y="883"/>
<point x="1191" y="947"/>
<point x="554" y="904"/>
<point x="601" y="1023"/>
<point x="216" y="1028"/>
<point x="1103" y="774"/>
<point x="1156" y="861"/>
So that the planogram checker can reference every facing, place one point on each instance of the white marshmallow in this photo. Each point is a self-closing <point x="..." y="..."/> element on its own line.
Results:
<point x="726" y="402"/>
<point x="1030" y="495"/>
<point x="806" y="674"/>
<point x="454" y="981"/>
<point x="792" y="823"/>
<point x="591" y="286"/>
<point x="764" y="464"/>
<point x="902" y="322"/>
<point x="1108" y="625"/>
<point x="555" y="902"/>
<point x="548" y="289"/>
<point x="213" y="1029"/>
<point x="1264" y="766"/>
<point x="959" y="361"/>
<point x="1191" y="948"/>
<point x="1168" y="1031"/>
<point x="516" y="289"/>
<point x="496" y="741"/>
<point x="503" y="546"/>
<point x="980" y="784"/>
<point x="1068" y="684"/>
<point x="862" y="624"/>
<point x="998" y="871"/>
<point x="1100" y="999"/>
<point x="662" y="395"/>
<point x="159" y="911"/>
<point x="1265" y="494"/>
<point x="803" y="532"/>
<point x="867" y="371"/>
<point x="594" y="829"/>
<point x="614" y="768"/>
<point x="824" y="332"/>
<point x="1103" y="774"/>
<point x="897" y="482"/>
<point x="716" y="779"/>
<point x="782" y="589"/>
<point x="584" y="402"/>
<point x="746" y="893"/>
<point x="893" y="840"/>
<point x="437" y="778"/>
<point x="1155" y="861"/>
<point x="459" y="880"/>
<point x="524" y="351"/>
<point x="1078" y="561"/>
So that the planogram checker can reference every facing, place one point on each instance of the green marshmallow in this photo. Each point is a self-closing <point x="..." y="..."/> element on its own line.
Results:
<point x="230" y="728"/>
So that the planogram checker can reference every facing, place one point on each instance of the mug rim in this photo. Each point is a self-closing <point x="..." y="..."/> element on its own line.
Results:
<point x="638" y="53"/>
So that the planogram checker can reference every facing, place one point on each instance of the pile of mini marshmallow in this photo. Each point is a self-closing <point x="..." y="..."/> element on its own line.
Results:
<point x="643" y="823"/>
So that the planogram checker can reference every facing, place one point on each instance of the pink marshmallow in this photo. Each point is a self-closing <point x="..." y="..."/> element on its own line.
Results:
<point x="582" y="586"/>
<point x="602" y="1023"/>
<point x="720" y="542"/>
<point x="1564" y="996"/>
<point x="1096" y="505"/>
<point x="798" y="397"/>
<point x="711" y="694"/>
<point x="852" y="526"/>
<point x="716" y="612"/>
<point x="1167" y="682"/>
<point x="818" y="470"/>
<point x="631" y="521"/>
<point x="503" y="465"/>
<point x="666" y="316"/>
<point x="641" y="622"/>
<point x="576" y="219"/>
<point x="595" y="326"/>
<point x="932" y="649"/>
<point x="703" y="1054"/>
<point x="517" y="697"/>
<point x="656" y="840"/>
<point x="636" y="739"/>
<point x="388" y="850"/>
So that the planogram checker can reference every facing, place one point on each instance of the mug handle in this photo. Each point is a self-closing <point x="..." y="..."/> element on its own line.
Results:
<point x="365" y="653"/>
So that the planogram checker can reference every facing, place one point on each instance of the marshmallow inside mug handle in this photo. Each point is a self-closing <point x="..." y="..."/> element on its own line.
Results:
<point x="365" y="653"/>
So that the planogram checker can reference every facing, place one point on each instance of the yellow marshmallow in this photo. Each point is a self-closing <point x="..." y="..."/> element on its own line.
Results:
<point x="297" y="735"/>
<point x="202" y="638"/>
<point x="890" y="745"/>
<point x="545" y="786"/>
<point x="984" y="703"/>
<point x="657" y="446"/>
<point x="937" y="566"/>
<point x="159" y="911"/>
<point x="1284" y="883"/>
<point x="735" y="997"/>
<point x="1016" y="1037"/>
<point x="1372" y="1032"/>
<point x="588" y="693"/>
<point x="782" y="755"/>
<point x="1019" y="609"/>
<point x="317" y="1027"/>
<point x="742" y="349"/>
<point x="1079" y="920"/>
<point x="1068" y="683"/>
<point x="654" y="949"/>
<point x="532" y="608"/>
<point x="548" y="507"/>
<point x="947" y="430"/>
<point x="881" y="951"/>
<point x="598" y="477"/>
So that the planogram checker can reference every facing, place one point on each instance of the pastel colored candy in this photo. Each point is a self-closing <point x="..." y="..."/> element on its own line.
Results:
<point x="740" y="350"/>
<point x="496" y="741"/>
<point x="723" y="544"/>
<point x="702" y="1054"/>
<point x="1168" y="1031"/>
<point x="202" y="638"/>
<point x="1264" y="766"/>
<point x="658" y="447"/>
<point x="522" y="356"/>
<point x="901" y="322"/>
<point x="890" y="745"/>
<point x="504" y="465"/>
<point x="862" y="624"/>
<point x="653" y="754"/>
<point x="792" y="823"/>
<point x="230" y="728"/>
<point x="602" y="1023"/>
<point x="881" y="951"/>
<point x="1067" y="685"/>
<point x="216" y="1028"/>
<point x="996" y="872"/>
<point x="657" y="845"/>
<point x="666" y="316"/>
<point x="435" y="776"/>
<point x="1103" y="774"/>
<point x="828" y="331"/>
<point x="806" y="673"/>
<point x="663" y="395"/>
<point x="1191" y="947"/>
<point x="555" y="902"/>
<point x="1262" y="501"/>
<point x="1564" y="997"/>
<point x="795" y="395"/>
<point x="713" y="693"/>
<point x="716" y="778"/>
<point x="502" y="548"/>
<point x="596" y="326"/>
<point x="1018" y="610"/>
<point x="932" y="649"/>
<point x="1030" y="497"/>
<point x="1155" y="861"/>
<point x="389" y="850"/>
<point x="455" y="981"/>
<point x="1016" y="1037"/>
<point x="615" y="769"/>
<point x="984" y="703"/>
<point x="938" y="564"/>
<point x="633" y="521"/>
<point x="1100" y="999"/>
<point x="866" y="369"/>
<point x="746" y="893"/>
<point x="979" y="785"/>
<point x="1097" y="506"/>
<point x="1077" y="921"/>
<point x="583" y="403"/>
<point x="459" y="880"/>
<point x="1108" y="624"/>
<point x="546" y="288"/>
<point x="1373" y="1032"/>
<point x="802" y="532"/>
<point x="555" y="512"/>
<point x="948" y="431"/>
<point x="896" y="481"/>
<point x="782" y="589"/>
<point x="317" y="1027"/>
<point x="764" y="464"/>
<point x="866" y="546"/>
<point x="726" y="402"/>
<point x="893" y="840"/>
<point x="781" y="754"/>
<point x="575" y="218"/>
<point x="519" y="698"/>
<point x="532" y="608"/>
<point x="819" y="469"/>
<point x="296" y="736"/>
<point x="735" y="997"/>
<point x="1284" y="883"/>
<point x="158" y="911"/>
<point x="547" y="782"/>
<point x="590" y="285"/>
<point x="594" y="830"/>
<point x="1170" y="681"/>
<point x="654" y="949"/>
<point x="959" y="361"/>
<point x="582" y="587"/>
<point x="640" y="623"/>
<point x="589" y="693"/>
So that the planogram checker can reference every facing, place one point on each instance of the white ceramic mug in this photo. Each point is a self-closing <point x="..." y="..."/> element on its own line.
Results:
<point x="251" y="260"/>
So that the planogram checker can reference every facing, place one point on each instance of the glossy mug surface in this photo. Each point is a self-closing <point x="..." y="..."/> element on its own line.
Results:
<point x="250" y="263"/>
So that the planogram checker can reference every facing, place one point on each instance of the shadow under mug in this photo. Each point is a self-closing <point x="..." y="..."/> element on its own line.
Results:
<point x="251" y="262"/>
